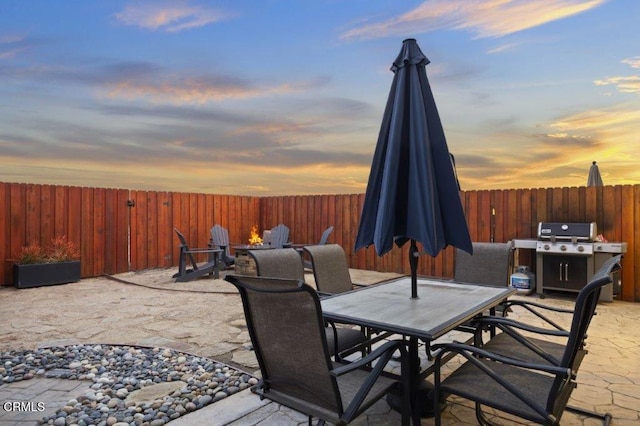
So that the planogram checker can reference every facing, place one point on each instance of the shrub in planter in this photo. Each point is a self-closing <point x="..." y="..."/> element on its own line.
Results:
<point x="57" y="264"/>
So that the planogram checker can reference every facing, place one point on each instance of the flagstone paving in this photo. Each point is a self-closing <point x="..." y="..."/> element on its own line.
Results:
<point x="205" y="318"/>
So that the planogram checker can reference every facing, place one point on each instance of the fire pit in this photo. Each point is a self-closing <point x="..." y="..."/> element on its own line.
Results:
<point x="245" y="265"/>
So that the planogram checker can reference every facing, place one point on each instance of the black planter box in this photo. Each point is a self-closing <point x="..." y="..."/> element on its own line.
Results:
<point x="39" y="274"/>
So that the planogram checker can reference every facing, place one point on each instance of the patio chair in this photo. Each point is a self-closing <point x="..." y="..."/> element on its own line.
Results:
<point x="489" y="265"/>
<point x="277" y="237"/>
<point x="220" y="239"/>
<point x="535" y="386"/>
<point x="285" y="323"/>
<point x="331" y="273"/>
<point x="330" y="268"/>
<point x="286" y="264"/>
<point x="212" y="267"/>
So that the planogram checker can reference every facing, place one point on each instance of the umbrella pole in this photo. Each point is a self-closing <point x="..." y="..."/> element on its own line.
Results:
<point x="413" y="262"/>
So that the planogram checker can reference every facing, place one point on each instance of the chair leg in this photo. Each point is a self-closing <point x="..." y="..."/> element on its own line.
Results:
<point x="606" y="417"/>
<point x="482" y="419"/>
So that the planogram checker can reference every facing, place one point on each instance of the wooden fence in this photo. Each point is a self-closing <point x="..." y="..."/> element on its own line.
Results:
<point x="121" y="230"/>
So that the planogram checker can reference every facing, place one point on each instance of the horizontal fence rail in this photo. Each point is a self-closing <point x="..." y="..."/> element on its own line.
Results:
<point x="120" y="230"/>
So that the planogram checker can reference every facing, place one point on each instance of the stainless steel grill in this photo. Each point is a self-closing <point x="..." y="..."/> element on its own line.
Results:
<point x="568" y="254"/>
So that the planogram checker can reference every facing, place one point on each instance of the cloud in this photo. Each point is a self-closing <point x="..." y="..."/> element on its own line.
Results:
<point x="630" y="84"/>
<point x="484" y="18"/>
<point x="502" y="48"/>
<point x="12" y="45"/>
<point x="168" y="16"/>
<point x="202" y="89"/>
<point x="633" y="62"/>
<point x="599" y="120"/>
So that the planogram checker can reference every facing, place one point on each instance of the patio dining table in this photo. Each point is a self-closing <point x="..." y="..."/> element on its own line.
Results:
<point x="441" y="306"/>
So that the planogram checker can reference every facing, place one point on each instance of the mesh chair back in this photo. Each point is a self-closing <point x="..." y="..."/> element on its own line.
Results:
<point x="584" y="309"/>
<point x="278" y="263"/>
<point x="488" y="265"/>
<point x="220" y="238"/>
<point x="330" y="268"/>
<point x="279" y="236"/>
<point x="287" y="332"/>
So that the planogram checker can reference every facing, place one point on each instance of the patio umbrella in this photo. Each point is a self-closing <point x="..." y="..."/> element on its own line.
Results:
<point x="594" y="176"/>
<point x="412" y="193"/>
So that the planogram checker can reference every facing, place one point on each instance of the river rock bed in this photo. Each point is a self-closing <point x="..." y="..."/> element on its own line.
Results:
<point x="117" y="372"/>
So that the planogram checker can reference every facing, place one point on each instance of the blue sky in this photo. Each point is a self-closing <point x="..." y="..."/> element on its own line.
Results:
<point x="286" y="97"/>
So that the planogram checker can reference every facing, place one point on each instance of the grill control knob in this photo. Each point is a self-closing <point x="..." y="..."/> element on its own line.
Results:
<point x="563" y="247"/>
<point x="580" y="248"/>
<point x="546" y="247"/>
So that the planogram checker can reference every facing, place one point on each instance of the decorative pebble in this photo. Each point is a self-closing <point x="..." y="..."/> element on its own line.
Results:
<point x="116" y="372"/>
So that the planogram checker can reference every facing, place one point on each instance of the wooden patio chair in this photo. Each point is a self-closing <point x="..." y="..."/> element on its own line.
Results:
<point x="278" y="237"/>
<point x="286" y="264"/>
<point x="220" y="240"/>
<point x="212" y="266"/>
<point x="527" y="378"/>
<point x="285" y="323"/>
<point x="323" y="240"/>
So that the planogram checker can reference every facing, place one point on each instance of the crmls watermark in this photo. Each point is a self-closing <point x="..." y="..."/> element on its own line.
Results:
<point x="23" y="406"/>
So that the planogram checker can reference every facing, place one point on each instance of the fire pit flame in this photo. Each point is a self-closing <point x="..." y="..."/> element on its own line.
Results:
<point x="254" y="238"/>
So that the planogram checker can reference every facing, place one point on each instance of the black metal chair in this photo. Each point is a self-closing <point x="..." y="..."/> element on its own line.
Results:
<point x="488" y="265"/>
<point x="220" y="239"/>
<point x="331" y="274"/>
<point x="330" y="268"/>
<point x="531" y="379"/>
<point x="211" y="267"/>
<point x="285" y="323"/>
<point x="286" y="263"/>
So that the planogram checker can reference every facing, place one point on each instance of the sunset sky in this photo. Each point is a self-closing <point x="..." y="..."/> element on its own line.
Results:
<point x="286" y="97"/>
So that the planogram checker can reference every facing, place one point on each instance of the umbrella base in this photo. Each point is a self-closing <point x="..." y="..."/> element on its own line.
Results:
<point x="423" y="397"/>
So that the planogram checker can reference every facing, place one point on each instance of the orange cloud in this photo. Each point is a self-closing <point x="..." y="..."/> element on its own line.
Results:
<point x="495" y="18"/>
<point x="169" y="17"/>
<point x="192" y="91"/>
<point x="630" y="84"/>
<point x="633" y="62"/>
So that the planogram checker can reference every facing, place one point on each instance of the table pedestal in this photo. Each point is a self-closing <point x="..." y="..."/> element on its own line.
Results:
<point x="425" y="403"/>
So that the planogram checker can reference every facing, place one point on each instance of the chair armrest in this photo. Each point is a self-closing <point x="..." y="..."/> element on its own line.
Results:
<point x="504" y="323"/>
<point x="525" y="304"/>
<point x="387" y="348"/>
<point x="383" y="354"/>
<point x="531" y="307"/>
<point x="472" y="353"/>
<point x="202" y="250"/>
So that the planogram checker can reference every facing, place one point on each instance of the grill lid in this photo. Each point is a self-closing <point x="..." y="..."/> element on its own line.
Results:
<point x="567" y="231"/>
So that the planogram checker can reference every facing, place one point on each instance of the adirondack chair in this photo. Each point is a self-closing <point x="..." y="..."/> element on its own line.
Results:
<point x="212" y="267"/>
<point x="323" y="240"/>
<point x="278" y="237"/>
<point x="220" y="240"/>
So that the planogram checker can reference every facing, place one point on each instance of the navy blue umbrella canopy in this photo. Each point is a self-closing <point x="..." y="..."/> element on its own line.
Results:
<point x="594" y="179"/>
<point x="412" y="193"/>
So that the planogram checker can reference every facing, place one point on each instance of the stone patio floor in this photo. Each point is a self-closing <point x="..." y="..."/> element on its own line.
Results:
<point x="205" y="318"/>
